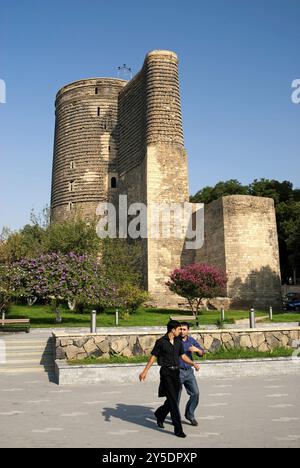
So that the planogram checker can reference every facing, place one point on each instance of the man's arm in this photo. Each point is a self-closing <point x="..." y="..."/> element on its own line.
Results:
<point x="196" y="348"/>
<point x="143" y="375"/>
<point x="187" y="360"/>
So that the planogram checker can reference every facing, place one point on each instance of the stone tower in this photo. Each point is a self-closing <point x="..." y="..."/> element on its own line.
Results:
<point x="115" y="137"/>
<point x="85" y="146"/>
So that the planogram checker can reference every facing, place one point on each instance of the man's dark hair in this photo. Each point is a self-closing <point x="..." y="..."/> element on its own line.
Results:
<point x="185" y="324"/>
<point x="173" y="324"/>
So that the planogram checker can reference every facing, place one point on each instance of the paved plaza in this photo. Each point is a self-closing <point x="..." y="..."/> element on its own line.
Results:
<point x="240" y="412"/>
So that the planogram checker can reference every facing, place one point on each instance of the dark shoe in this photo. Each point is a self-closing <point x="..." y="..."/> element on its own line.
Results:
<point x="180" y="434"/>
<point x="192" y="421"/>
<point x="159" y="423"/>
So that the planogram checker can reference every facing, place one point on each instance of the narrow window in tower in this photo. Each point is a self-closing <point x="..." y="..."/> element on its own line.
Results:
<point x="72" y="165"/>
<point x="109" y="148"/>
<point x="98" y="111"/>
<point x="96" y="90"/>
<point x="71" y="185"/>
<point x="70" y="206"/>
<point x="113" y="183"/>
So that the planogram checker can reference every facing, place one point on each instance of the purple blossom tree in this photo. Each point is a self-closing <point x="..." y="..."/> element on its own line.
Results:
<point x="77" y="279"/>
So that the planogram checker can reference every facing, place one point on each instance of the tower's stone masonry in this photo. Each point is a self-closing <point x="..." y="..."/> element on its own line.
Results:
<point x="114" y="137"/>
<point x="241" y="238"/>
<point x="86" y="146"/>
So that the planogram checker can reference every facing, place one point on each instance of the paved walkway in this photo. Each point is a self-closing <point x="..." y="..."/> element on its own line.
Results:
<point x="238" y="412"/>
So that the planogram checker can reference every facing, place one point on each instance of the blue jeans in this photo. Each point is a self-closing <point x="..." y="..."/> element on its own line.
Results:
<point x="189" y="381"/>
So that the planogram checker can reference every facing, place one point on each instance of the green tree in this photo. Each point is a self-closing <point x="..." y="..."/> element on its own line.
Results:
<point x="209" y="194"/>
<point x="75" y="235"/>
<point x="6" y="292"/>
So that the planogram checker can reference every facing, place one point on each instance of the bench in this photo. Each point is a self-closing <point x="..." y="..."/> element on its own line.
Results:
<point x="15" y="324"/>
<point x="185" y="318"/>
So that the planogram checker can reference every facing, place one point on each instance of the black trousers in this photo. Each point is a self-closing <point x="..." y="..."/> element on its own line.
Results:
<point x="170" y="386"/>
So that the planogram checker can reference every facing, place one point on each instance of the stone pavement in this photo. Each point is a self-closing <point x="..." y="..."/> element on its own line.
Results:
<point x="236" y="412"/>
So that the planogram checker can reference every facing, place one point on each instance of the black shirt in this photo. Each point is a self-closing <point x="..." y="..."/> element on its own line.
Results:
<point x="166" y="353"/>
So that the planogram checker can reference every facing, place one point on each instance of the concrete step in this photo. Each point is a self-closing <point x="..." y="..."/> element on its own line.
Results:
<point x="27" y="355"/>
<point x="37" y="360"/>
<point x="24" y="349"/>
<point x="26" y="370"/>
<point x="17" y="353"/>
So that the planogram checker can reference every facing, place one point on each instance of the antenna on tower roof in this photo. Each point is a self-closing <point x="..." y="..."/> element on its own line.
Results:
<point x="125" y="72"/>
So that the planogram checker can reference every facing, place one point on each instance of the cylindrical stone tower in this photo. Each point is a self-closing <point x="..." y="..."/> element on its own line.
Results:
<point x="164" y="119"/>
<point x="85" y="147"/>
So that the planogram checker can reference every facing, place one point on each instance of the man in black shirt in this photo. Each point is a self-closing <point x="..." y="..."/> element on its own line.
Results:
<point x="168" y="350"/>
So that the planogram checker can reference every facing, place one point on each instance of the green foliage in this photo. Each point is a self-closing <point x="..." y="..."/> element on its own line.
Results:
<point x="209" y="194"/>
<point x="5" y="288"/>
<point x="122" y="261"/>
<point x="74" y="235"/>
<point x="131" y="297"/>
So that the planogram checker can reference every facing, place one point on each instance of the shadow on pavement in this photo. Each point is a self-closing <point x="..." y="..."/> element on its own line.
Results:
<point x="140" y="415"/>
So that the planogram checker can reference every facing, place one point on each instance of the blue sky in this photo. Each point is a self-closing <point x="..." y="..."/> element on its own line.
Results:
<point x="238" y="59"/>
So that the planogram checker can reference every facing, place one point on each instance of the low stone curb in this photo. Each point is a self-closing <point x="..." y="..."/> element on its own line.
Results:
<point x="129" y="373"/>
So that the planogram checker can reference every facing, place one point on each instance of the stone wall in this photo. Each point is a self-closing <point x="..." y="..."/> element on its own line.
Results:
<point x="135" y="344"/>
<point x="241" y="238"/>
<point x="132" y="124"/>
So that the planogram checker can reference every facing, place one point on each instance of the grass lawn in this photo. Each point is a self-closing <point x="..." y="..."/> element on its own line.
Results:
<point x="43" y="316"/>
<point x="220" y="355"/>
<point x="285" y="317"/>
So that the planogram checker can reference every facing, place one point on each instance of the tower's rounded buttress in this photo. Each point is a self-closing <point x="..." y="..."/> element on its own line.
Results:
<point x="164" y="118"/>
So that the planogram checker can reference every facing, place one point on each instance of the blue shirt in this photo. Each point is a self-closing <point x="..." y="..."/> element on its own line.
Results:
<point x="186" y="345"/>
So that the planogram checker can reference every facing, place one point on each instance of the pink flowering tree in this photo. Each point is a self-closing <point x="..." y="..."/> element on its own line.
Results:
<point x="197" y="282"/>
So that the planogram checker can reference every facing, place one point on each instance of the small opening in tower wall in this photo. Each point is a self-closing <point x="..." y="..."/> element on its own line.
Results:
<point x="71" y="185"/>
<point x="72" y="165"/>
<point x="96" y="90"/>
<point x="70" y="206"/>
<point x="113" y="183"/>
<point x="98" y="111"/>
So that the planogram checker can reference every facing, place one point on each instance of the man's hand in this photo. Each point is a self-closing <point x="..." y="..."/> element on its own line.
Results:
<point x="197" y="367"/>
<point x="143" y="376"/>
<point x="194" y="349"/>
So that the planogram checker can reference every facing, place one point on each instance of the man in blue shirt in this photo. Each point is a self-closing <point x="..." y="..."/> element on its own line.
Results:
<point x="187" y="376"/>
